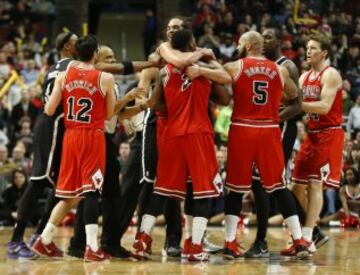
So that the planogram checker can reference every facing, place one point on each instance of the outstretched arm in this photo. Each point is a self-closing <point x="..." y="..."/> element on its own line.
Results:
<point x="125" y="68"/>
<point x="181" y="59"/>
<point x="217" y="74"/>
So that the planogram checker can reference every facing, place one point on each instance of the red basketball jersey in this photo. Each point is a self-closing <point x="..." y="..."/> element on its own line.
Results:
<point x="311" y="92"/>
<point x="83" y="100"/>
<point x="257" y="92"/>
<point x="187" y="103"/>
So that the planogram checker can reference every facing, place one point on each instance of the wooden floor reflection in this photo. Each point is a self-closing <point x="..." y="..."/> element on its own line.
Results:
<point x="341" y="255"/>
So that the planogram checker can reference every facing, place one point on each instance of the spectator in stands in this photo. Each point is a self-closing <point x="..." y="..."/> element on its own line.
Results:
<point x="11" y="196"/>
<point x="353" y="123"/>
<point x="25" y="135"/>
<point x="24" y="108"/>
<point x="209" y="40"/>
<point x="4" y="14"/>
<point x="30" y="73"/>
<point x="227" y="48"/>
<point x="19" y="159"/>
<point x="227" y="26"/>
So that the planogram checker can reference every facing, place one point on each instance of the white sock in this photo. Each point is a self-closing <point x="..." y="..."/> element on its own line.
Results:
<point x="48" y="233"/>
<point x="198" y="229"/>
<point x="188" y="226"/>
<point x="231" y="222"/>
<point x="91" y="236"/>
<point x="293" y="224"/>
<point x="307" y="233"/>
<point x="147" y="224"/>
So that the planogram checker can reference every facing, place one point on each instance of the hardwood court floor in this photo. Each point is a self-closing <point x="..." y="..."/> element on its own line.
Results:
<point x="341" y="255"/>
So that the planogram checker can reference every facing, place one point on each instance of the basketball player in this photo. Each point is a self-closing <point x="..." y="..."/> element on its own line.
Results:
<point x="259" y="85"/>
<point x="319" y="159"/>
<point x="144" y="158"/>
<point x="88" y="99"/>
<point x="186" y="146"/>
<point x="48" y="134"/>
<point x="219" y="95"/>
<point x="272" y="42"/>
<point x="111" y="195"/>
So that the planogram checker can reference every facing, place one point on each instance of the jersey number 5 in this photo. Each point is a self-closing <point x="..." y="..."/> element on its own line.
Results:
<point x="260" y="96"/>
<point x="82" y="114"/>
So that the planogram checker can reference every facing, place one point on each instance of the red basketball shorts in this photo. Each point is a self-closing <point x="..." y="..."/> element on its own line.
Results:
<point x="183" y="156"/>
<point x="320" y="158"/>
<point x="82" y="163"/>
<point x="255" y="145"/>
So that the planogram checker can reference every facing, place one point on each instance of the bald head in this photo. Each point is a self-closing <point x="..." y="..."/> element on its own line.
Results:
<point x="105" y="55"/>
<point x="255" y="40"/>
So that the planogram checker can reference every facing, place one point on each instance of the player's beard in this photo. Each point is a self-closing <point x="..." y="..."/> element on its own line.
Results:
<point x="243" y="53"/>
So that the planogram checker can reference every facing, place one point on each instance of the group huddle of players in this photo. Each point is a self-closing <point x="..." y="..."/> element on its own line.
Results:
<point x="267" y="94"/>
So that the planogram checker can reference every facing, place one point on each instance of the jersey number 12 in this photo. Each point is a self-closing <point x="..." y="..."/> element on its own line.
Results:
<point x="82" y="115"/>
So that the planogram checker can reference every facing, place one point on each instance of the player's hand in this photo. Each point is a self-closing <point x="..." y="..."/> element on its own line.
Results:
<point x="136" y="93"/>
<point x="193" y="71"/>
<point x="208" y="53"/>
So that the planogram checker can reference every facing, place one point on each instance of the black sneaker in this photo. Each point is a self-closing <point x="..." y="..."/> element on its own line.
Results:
<point x="76" y="252"/>
<point x="171" y="251"/>
<point x="117" y="252"/>
<point x="319" y="238"/>
<point x="258" y="249"/>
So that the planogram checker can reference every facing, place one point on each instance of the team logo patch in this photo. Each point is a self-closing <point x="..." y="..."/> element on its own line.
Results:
<point x="218" y="183"/>
<point x="98" y="180"/>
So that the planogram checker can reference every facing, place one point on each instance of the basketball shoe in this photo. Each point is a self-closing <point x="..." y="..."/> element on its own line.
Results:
<point x="232" y="250"/>
<point x="142" y="246"/>
<point x="95" y="256"/>
<point x="49" y="250"/>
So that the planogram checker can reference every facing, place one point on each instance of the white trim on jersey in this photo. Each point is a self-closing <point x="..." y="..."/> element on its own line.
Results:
<point x="241" y="65"/>
<point x="255" y="126"/>
<point x="144" y="178"/>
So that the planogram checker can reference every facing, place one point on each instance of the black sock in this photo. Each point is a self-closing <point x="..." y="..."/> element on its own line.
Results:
<point x="262" y="204"/>
<point x="91" y="208"/>
<point x="233" y="203"/>
<point x="286" y="202"/>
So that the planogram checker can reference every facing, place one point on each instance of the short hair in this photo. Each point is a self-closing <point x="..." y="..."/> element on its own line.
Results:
<point x="61" y="40"/>
<point x="324" y="41"/>
<point x="186" y="21"/>
<point x="181" y="39"/>
<point x="278" y="33"/>
<point x="86" y="46"/>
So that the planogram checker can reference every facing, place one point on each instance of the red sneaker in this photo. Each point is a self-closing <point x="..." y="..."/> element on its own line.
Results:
<point x="232" y="250"/>
<point x="186" y="249"/>
<point x="95" y="256"/>
<point x="142" y="246"/>
<point x="49" y="250"/>
<point x="196" y="253"/>
<point x="299" y="248"/>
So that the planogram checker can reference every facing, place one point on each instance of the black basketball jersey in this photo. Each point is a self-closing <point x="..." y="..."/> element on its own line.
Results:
<point x="49" y="81"/>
